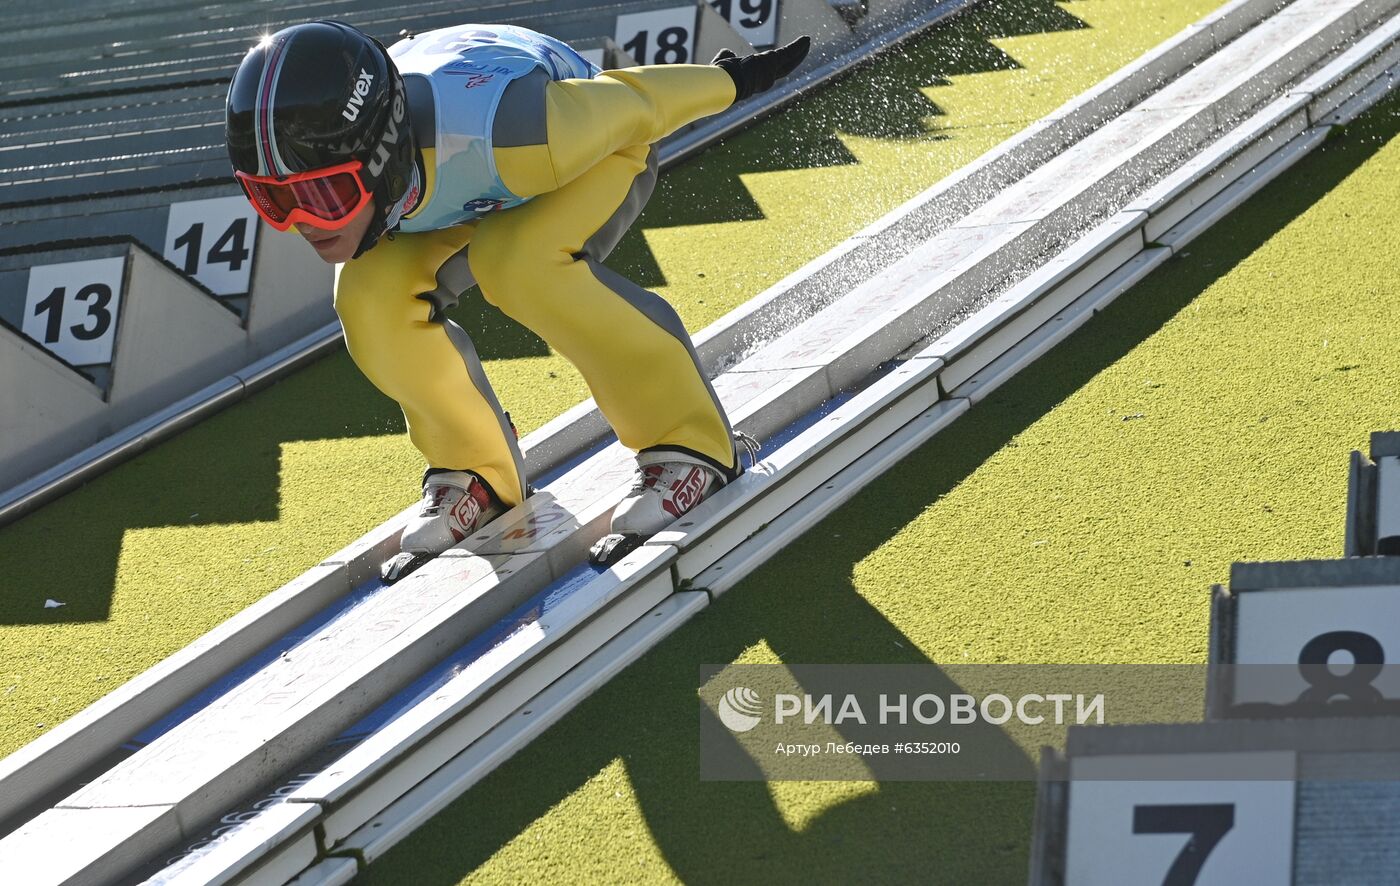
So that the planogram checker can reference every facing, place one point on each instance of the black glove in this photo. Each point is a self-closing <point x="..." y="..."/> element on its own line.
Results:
<point x="757" y="73"/>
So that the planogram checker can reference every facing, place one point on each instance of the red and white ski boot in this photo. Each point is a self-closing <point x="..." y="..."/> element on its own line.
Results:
<point x="455" y="504"/>
<point x="667" y="485"/>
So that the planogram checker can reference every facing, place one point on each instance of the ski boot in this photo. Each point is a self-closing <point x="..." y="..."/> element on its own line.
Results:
<point x="455" y="504"/>
<point x="662" y="491"/>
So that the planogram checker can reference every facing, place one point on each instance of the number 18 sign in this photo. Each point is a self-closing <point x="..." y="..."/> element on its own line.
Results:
<point x="213" y="242"/>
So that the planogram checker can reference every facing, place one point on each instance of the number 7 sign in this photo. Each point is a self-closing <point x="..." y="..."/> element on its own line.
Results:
<point x="1180" y="832"/>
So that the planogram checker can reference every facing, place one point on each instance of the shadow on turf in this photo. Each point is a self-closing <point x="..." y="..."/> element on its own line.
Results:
<point x="885" y="101"/>
<point x="804" y="607"/>
<point x="231" y="474"/>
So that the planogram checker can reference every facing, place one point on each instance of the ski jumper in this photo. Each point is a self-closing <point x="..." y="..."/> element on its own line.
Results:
<point x="534" y="165"/>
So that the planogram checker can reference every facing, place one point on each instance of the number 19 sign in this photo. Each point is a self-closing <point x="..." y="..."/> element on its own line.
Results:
<point x="213" y="242"/>
<point x="755" y="20"/>
<point x="71" y="308"/>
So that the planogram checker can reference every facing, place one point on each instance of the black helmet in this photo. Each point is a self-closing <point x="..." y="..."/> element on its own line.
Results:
<point x="317" y="95"/>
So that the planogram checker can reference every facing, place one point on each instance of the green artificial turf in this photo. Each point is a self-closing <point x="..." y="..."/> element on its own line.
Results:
<point x="1079" y="514"/>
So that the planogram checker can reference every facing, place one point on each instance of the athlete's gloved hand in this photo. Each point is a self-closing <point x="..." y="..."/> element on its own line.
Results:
<point x="757" y="73"/>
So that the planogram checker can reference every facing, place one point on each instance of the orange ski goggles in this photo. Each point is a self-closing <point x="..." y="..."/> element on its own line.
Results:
<point x="326" y="198"/>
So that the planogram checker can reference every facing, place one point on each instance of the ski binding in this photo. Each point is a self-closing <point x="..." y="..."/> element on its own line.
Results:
<point x="401" y="564"/>
<point x="613" y="547"/>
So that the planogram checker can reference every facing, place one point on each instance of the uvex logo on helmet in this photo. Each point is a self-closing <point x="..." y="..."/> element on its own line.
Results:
<point x="357" y="96"/>
<point x="389" y="138"/>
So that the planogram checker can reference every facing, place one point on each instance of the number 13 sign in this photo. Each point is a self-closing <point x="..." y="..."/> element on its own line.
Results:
<point x="71" y="308"/>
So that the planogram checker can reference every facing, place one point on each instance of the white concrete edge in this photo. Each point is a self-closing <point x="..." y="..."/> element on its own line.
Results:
<point x="280" y="838"/>
<point x="783" y="467"/>
<point x="433" y="794"/>
<point x="956" y="346"/>
<point x="209" y="784"/>
<point x="372" y="795"/>
<point x="345" y="695"/>
<point x="497" y="666"/>
<point x="1359" y="103"/>
<point x="383" y="766"/>
<point x="729" y="570"/>
<point x="1200" y="179"/>
<point x="1181" y="234"/>
<point x="1369" y="58"/>
<point x="43" y="764"/>
<point x="817" y="465"/>
<point x="141" y="435"/>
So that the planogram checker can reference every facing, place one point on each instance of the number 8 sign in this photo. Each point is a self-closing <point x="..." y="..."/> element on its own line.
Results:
<point x="1354" y="629"/>
<point x="71" y="309"/>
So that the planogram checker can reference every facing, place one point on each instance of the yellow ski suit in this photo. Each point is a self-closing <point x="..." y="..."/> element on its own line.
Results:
<point x="582" y="149"/>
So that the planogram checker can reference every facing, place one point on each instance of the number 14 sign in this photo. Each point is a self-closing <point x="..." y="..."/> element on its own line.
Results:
<point x="213" y="241"/>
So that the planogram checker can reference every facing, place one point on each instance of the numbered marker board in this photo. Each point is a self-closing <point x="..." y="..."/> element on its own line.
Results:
<point x="1387" y="517"/>
<point x="1179" y="833"/>
<point x="1336" y="640"/>
<point x="214" y="242"/>
<point x="659" y="37"/>
<point x="71" y="308"/>
<point x="755" y="20"/>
